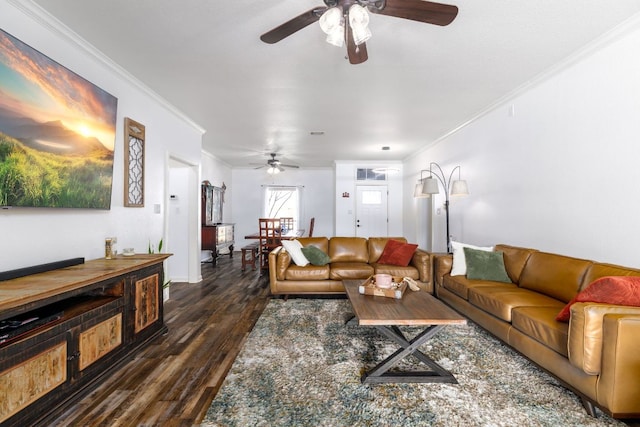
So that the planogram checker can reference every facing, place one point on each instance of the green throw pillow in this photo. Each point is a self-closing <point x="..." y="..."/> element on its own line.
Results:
<point x="315" y="255"/>
<point x="484" y="265"/>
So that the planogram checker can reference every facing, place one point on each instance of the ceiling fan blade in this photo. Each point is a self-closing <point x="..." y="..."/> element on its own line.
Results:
<point x="290" y="27"/>
<point x="291" y="166"/>
<point x="357" y="54"/>
<point x="260" y="167"/>
<point x="419" y="10"/>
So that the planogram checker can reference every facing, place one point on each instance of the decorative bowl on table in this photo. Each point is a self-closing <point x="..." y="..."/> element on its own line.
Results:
<point x="128" y="252"/>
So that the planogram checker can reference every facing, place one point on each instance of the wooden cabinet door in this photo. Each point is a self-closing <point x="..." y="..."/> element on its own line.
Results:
<point x="99" y="340"/>
<point x="29" y="380"/>
<point x="147" y="305"/>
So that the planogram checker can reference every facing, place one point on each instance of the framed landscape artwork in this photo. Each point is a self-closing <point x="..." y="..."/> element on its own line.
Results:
<point x="57" y="133"/>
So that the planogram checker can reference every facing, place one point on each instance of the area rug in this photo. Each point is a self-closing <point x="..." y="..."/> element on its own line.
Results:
<point x="301" y="366"/>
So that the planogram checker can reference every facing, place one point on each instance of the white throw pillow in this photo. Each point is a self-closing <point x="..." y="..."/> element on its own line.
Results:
<point x="459" y="267"/>
<point x="294" y="248"/>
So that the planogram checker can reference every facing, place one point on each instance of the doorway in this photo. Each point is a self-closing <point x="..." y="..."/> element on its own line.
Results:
<point x="371" y="211"/>
<point x="182" y="225"/>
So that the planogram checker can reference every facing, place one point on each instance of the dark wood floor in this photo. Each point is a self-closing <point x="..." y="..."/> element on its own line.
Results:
<point x="172" y="382"/>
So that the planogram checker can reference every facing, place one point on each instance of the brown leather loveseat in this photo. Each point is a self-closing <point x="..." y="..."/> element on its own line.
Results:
<point x="350" y="258"/>
<point x="596" y="354"/>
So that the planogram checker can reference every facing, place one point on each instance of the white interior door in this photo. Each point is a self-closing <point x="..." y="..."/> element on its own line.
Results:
<point x="371" y="210"/>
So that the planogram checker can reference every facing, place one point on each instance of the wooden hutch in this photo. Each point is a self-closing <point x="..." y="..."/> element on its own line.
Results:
<point x="215" y="234"/>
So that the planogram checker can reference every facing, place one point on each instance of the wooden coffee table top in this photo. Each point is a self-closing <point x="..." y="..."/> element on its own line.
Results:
<point x="415" y="308"/>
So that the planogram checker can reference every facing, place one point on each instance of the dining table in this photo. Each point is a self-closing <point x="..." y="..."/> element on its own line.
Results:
<point x="289" y="235"/>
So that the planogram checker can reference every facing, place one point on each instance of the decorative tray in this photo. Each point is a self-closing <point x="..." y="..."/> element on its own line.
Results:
<point x="395" y="291"/>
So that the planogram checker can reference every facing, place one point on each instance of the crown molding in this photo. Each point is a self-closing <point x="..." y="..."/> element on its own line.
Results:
<point x="51" y="23"/>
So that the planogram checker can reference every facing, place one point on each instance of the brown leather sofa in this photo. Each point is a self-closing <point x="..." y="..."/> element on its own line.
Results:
<point x="595" y="355"/>
<point x="350" y="258"/>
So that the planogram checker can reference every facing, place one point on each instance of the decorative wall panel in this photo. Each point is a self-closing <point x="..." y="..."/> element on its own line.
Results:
<point x="134" y="163"/>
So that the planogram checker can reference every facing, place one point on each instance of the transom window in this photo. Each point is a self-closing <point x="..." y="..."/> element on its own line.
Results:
<point x="370" y="174"/>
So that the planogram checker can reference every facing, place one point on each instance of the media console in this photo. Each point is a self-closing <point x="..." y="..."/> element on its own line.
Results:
<point x="87" y="320"/>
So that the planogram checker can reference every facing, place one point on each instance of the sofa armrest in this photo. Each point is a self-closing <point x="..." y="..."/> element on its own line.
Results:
<point x="618" y="389"/>
<point x="586" y="341"/>
<point x="442" y="265"/>
<point x="423" y="261"/>
<point x="279" y="260"/>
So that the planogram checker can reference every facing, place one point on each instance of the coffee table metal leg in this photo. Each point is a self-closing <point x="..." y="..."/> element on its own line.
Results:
<point x="380" y="373"/>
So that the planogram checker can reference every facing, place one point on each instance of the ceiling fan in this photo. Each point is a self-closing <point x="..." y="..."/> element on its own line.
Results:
<point x="347" y="20"/>
<point x="274" y="165"/>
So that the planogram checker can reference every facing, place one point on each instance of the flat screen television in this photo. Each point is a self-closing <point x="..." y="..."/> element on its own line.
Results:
<point x="57" y="133"/>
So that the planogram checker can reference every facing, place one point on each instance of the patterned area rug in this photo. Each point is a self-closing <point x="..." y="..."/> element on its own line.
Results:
<point x="301" y="366"/>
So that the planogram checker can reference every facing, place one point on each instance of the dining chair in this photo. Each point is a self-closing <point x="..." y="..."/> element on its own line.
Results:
<point x="311" y="224"/>
<point x="270" y="229"/>
<point x="286" y="224"/>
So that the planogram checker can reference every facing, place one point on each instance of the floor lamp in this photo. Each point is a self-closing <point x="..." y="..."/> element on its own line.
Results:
<point x="428" y="186"/>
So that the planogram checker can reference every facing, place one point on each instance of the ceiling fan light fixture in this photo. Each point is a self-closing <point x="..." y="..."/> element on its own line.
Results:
<point x="273" y="170"/>
<point x="359" y="22"/>
<point x="332" y="23"/>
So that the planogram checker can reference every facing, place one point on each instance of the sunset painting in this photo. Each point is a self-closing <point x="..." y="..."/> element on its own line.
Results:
<point x="57" y="133"/>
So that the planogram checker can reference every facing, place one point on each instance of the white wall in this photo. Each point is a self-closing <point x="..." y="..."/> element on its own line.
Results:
<point x="35" y="236"/>
<point x="318" y="200"/>
<point x="556" y="167"/>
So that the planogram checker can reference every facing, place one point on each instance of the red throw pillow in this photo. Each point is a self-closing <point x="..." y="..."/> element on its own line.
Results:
<point x="397" y="253"/>
<point x="620" y="290"/>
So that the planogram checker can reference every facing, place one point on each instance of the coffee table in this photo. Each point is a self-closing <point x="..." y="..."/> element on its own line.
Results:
<point x="414" y="309"/>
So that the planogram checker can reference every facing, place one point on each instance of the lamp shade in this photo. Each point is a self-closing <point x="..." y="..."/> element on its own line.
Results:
<point x="417" y="192"/>
<point x="430" y="186"/>
<point x="273" y="170"/>
<point x="459" y="188"/>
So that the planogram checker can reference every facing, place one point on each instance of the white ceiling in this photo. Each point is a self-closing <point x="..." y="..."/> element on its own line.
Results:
<point x="421" y="81"/>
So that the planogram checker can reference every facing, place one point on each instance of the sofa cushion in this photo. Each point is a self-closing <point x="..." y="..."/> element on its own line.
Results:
<point x="396" y="270"/>
<point x="485" y="265"/>
<point x="619" y="290"/>
<point x="348" y="249"/>
<point x="315" y="255"/>
<point x="308" y="273"/>
<point x="321" y="243"/>
<point x="515" y="259"/>
<point x="376" y="246"/>
<point x="459" y="267"/>
<point x="350" y="270"/>
<point x="500" y="299"/>
<point x="539" y="323"/>
<point x="460" y="285"/>
<point x="554" y="275"/>
<point x="397" y="253"/>
<point x="598" y="270"/>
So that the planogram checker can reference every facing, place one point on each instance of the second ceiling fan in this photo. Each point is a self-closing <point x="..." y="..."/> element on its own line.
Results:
<point x="274" y="165"/>
<point x="347" y="21"/>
